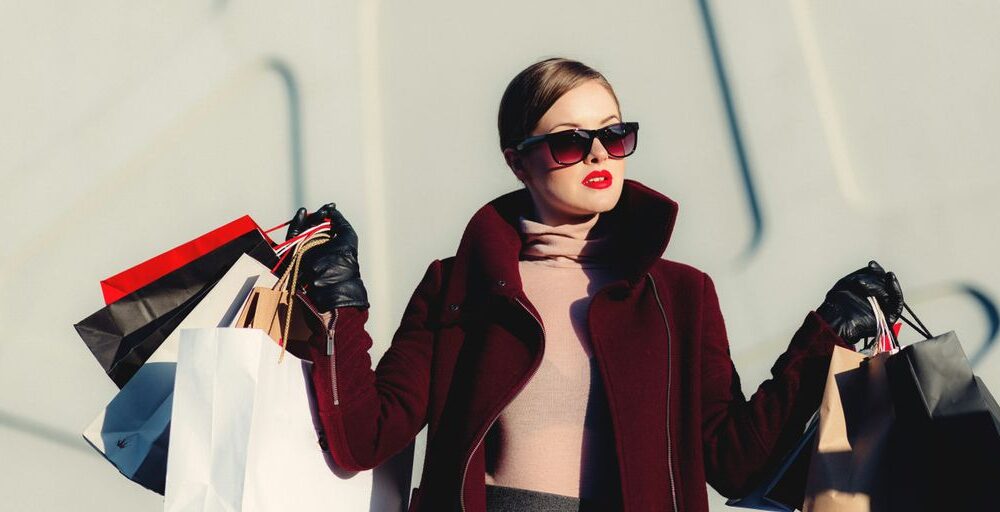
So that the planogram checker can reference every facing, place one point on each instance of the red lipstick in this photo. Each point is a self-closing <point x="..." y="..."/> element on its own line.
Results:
<point x="593" y="180"/>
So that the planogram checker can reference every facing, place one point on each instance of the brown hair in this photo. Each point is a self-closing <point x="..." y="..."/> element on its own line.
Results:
<point x="533" y="91"/>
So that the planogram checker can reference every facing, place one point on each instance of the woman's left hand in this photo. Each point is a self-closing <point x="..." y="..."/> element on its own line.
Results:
<point x="847" y="310"/>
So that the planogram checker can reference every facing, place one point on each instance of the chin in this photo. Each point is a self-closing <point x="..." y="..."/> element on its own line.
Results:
<point x="608" y="201"/>
<point x="599" y="206"/>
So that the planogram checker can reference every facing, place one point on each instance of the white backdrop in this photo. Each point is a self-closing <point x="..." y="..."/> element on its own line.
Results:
<point x="800" y="138"/>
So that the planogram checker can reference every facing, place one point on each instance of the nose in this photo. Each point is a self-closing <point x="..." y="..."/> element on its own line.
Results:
<point x="597" y="152"/>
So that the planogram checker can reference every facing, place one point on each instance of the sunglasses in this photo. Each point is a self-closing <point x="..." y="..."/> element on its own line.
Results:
<point x="571" y="146"/>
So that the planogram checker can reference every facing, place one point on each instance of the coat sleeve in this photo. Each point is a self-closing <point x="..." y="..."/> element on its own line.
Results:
<point x="370" y="415"/>
<point x="743" y="438"/>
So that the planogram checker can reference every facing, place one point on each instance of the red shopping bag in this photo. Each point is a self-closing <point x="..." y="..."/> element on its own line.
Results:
<point x="128" y="281"/>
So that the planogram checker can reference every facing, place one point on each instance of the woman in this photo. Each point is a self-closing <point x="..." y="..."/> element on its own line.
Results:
<point x="559" y="362"/>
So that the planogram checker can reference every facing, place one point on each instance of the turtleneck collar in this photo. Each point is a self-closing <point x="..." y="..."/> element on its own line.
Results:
<point x="582" y="245"/>
<point x="488" y="252"/>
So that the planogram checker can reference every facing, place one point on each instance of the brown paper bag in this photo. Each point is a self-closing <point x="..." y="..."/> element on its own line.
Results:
<point x="266" y="309"/>
<point x="847" y="471"/>
<point x="277" y="312"/>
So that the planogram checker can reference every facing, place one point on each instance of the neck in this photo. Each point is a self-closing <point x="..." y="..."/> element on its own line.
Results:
<point x="567" y="245"/>
<point x="550" y="218"/>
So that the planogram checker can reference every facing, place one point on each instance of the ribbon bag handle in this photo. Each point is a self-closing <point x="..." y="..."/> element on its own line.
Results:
<point x="885" y="338"/>
<point x="883" y="328"/>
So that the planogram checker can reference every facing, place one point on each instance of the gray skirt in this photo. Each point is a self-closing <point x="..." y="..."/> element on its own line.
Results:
<point x="514" y="499"/>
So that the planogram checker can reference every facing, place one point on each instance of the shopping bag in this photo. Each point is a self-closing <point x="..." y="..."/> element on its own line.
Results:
<point x="245" y="432"/>
<point x="133" y="431"/>
<point x="284" y="315"/>
<point x="781" y="491"/>
<point x="847" y="468"/>
<point x="945" y="449"/>
<point x="132" y="279"/>
<point x="122" y="335"/>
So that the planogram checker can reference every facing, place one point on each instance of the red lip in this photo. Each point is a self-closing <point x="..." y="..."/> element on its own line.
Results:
<point x="603" y="173"/>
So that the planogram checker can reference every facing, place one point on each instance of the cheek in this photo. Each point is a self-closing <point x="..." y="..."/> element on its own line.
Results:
<point x="564" y="181"/>
<point x="537" y="164"/>
<point x="555" y="188"/>
<point x="617" y="166"/>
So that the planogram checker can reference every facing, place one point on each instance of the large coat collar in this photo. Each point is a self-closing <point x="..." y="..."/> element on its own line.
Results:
<point x="488" y="254"/>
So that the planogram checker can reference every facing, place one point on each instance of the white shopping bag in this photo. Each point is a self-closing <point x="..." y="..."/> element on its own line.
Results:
<point x="245" y="435"/>
<point x="133" y="431"/>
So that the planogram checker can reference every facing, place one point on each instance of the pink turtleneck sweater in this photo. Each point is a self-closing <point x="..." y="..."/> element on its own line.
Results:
<point x="555" y="436"/>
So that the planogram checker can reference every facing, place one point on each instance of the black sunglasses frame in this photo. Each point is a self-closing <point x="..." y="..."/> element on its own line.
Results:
<point x="599" y="133"/>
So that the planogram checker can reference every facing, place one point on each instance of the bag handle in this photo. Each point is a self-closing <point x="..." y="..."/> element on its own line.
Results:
<point x="285" y="249"/>
<point x="923" y="330"/>
<point x="267" y="232"/>
<point x="919" y="327"/>
<point x="885" y="338"/>
<point x="280" y="249"/>
<point x="289" y="280"/>
<point x="291" y="243"/>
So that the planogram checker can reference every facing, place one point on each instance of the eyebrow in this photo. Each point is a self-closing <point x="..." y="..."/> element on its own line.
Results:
<point x="606" y="119"/>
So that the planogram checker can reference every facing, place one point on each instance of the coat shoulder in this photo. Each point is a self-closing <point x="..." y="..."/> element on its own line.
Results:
<point x="447" y="264"/>
<point x="678" y="275"/>
<point x="440" y="269"/>
<point x="448" y="294"/>
<point x="445" y="267"/>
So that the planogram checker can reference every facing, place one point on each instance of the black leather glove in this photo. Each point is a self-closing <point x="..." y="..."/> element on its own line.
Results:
<point x="303" y="220"/>
<point x="330" y="270"/>
<point x="846" y="307"/>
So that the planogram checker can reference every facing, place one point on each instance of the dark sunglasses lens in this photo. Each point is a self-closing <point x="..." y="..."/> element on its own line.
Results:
<point x="619" y="140"/>
<point x="569" y="148"/>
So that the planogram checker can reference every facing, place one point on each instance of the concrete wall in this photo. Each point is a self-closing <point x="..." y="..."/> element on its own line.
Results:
<point x="800" y="138"/>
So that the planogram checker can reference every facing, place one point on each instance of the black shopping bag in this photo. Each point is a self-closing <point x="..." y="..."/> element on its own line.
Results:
<point x="945" y="446"/>
<point x="783" y="489"/>
<point x="124" y="334"/>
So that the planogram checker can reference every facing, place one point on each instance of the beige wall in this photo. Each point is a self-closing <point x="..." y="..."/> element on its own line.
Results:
<point x="869" y="131"/>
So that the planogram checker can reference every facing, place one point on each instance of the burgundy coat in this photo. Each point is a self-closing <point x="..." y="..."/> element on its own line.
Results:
<point x="469" y="340"/>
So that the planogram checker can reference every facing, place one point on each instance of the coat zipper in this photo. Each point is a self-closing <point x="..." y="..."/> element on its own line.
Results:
<point x="331" y="329"/>
<point x="331" y="351"/>
<point x="482" y="436"/>
<point x="670" y="458"/>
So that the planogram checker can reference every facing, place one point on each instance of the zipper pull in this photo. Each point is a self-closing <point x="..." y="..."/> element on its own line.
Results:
<point x="330" y="330"/>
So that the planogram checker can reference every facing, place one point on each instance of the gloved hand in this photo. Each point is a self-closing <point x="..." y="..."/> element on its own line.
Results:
<point x="303" y="220"/>
<point x="330" y="270"/>
<point x="847" y="309"/>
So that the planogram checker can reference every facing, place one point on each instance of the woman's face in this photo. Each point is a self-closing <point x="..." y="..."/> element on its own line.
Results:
<point x="558" y="191"/>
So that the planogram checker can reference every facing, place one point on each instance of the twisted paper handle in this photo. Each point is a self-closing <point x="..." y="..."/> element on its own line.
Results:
<point x="288" y="283"/>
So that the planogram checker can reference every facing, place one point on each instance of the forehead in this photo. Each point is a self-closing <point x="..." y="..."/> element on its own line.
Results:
<point x="587" y="105"/>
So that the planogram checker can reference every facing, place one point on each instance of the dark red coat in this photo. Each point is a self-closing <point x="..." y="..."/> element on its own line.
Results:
<point x="469" y="340"/>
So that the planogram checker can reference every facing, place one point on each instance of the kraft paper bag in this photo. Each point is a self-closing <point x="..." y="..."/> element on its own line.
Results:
<point x="279" y="311"/>
<point x="847" y="471"/>
<point x="267" y="309"/>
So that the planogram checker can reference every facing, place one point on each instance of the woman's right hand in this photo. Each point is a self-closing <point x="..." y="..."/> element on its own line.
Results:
<point x="330" y="270"/>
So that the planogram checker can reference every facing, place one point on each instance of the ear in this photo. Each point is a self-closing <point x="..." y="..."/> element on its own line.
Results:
<point x="515" y="163"/>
